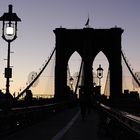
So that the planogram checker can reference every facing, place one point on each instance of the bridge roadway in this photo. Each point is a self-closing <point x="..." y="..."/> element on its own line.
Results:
<point x="63" y="125"/>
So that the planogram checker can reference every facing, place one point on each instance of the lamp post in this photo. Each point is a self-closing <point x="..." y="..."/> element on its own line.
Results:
<point x="9" y="34"/>
<point x="100" y="74"/>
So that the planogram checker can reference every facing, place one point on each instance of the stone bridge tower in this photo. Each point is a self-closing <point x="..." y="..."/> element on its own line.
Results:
<point x="88" y="42"/>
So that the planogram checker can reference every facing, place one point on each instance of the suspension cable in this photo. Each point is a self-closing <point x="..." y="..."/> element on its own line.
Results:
<point x="133" y="75"/>
<point x="36" y="76"/>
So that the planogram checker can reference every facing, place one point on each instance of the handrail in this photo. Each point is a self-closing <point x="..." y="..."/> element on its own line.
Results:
<point x="16" y="118"/>
<point x="126" y="119"/>
<point x="34" y="107"/>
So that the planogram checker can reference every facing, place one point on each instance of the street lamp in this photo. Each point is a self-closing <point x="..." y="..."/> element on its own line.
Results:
<point x="9" y="34"/>
<point x="100" y="74"/>
<point x="71" y="82"/>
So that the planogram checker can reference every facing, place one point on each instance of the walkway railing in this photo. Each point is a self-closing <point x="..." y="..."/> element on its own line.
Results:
<point x="43" y="96"/>
<point x="16" y="118"/>
<point x="128" y="125"/>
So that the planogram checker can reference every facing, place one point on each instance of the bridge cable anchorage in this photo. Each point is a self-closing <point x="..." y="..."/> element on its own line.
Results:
<point x="130" y="70"/>
<point x="37" y="76"/>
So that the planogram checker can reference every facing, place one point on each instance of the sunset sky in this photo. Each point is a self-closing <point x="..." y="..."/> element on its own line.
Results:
<point x="39" y="18"/>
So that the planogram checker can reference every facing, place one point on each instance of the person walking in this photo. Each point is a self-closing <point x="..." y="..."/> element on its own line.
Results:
<point x="83" y="102"/>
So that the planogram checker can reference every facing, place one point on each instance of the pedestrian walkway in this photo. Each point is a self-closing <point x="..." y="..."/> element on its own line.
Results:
<point x="65" y="125"/>
<point x="87" y="130"/>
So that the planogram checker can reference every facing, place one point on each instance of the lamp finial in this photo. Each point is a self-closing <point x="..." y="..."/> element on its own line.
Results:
<point x="10" y="8"/>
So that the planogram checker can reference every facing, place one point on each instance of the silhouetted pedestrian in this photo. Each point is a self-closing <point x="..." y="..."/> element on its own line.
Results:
<point x="83" y="102"/>
<point x="89" y="103"/>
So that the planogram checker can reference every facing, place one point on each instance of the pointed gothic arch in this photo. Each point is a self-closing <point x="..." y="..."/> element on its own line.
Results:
<point x="101" y="59"/>
<point x="74" y="67"/>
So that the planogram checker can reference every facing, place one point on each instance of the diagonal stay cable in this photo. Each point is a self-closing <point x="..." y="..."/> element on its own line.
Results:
<point x="78" y="77"/>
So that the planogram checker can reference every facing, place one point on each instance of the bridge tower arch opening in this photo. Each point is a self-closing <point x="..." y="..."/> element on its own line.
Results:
<point x="88" y="42"/>
<point x="74" y="63"/>
<point x="102" y="60"/>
